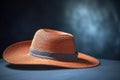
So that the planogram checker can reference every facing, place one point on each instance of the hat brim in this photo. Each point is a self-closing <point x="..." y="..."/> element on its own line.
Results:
<point x="18" y="54"/>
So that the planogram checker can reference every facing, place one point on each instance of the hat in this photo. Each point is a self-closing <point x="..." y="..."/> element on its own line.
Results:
<point x="49" y="47"/>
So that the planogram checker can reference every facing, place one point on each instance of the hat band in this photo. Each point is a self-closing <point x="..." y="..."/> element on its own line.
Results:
<point x="52" y="55"/>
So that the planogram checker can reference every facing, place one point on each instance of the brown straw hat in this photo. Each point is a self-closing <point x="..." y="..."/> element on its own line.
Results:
<point x="49" y="47"/>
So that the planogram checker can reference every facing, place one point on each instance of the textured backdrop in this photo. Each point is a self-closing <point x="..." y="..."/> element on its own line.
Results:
<point x="94" y="23"/>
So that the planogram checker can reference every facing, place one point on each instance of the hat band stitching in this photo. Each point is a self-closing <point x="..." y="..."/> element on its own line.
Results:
<point x="53" y="55"/>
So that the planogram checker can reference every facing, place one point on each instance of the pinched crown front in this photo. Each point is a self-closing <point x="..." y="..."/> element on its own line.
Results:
<point x="53" y="41"/>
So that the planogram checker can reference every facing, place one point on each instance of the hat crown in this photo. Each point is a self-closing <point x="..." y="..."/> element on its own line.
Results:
<point x="53" y="41"/>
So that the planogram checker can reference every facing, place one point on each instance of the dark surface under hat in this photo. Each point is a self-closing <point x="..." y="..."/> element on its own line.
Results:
<point x="108" y="70"/>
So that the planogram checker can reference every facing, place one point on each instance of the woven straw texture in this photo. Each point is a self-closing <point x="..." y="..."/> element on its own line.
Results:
<point x="50" y="41"/>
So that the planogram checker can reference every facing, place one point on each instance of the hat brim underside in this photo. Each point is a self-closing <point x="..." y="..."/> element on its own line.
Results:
<point x="18" y="54"/>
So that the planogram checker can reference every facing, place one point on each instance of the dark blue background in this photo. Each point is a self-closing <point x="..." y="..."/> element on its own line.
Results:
<point x="98" y="36"/>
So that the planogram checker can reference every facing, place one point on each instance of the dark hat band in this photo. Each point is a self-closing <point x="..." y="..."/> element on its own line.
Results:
<point x="52" y="55"/>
